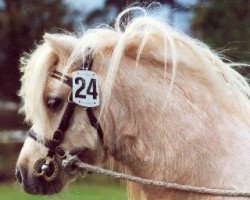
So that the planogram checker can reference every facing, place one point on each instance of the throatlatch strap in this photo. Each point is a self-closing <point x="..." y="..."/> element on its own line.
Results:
<point x="94" y="122"/>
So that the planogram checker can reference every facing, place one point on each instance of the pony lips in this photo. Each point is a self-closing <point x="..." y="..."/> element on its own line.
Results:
<point x="47" y="167"/>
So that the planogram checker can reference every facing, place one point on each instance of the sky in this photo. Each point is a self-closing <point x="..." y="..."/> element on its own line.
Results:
<point x="181" y="19"/>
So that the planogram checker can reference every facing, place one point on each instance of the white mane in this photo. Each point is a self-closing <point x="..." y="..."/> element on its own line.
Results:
<point x="153" y="39"/>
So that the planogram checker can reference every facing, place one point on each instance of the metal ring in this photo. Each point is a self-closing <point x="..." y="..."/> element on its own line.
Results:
<point x="55" y="171"/>
<point x="38" y="172"/>
<point x="50" y="173"/>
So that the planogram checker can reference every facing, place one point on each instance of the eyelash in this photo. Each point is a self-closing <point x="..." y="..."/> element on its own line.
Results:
<point x="54" y="103"/>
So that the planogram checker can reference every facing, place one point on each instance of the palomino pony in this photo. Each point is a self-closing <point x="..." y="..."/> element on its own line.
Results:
<point x="170" y="110"/>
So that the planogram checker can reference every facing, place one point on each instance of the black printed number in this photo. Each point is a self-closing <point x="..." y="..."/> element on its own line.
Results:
<point x="91" y="90"/>
<point x="80" y="81"/>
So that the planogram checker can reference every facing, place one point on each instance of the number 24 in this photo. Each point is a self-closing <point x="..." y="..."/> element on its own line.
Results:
<point x="91" y="89"/>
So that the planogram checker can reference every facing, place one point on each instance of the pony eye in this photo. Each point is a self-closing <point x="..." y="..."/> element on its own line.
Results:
<point x="54" y="103"/>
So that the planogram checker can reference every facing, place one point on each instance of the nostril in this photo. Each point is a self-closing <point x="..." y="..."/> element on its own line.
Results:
<point x="19" y="175"/>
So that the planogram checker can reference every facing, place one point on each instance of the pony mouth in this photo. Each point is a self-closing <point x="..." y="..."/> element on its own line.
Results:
<point x="40" y="190"/>
<point x="43" y="188"/>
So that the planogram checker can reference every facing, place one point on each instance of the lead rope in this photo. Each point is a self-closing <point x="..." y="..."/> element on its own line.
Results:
<point x="73" y="160"/>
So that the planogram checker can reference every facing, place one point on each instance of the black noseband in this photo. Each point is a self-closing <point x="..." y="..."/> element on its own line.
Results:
<point x="47" y="167"/>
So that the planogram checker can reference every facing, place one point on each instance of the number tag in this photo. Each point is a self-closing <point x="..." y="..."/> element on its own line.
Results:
<point x="85" y="88"/>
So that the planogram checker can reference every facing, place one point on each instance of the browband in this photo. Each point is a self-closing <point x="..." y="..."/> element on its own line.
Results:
<point x="60" y="76"/>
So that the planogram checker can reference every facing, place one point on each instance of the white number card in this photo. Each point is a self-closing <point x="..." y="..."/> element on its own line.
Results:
<point x="85" y="88"/>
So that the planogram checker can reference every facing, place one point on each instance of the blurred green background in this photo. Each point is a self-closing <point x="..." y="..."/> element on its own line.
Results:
<point x="224" y="25"/>
<point x="91" y="188"/>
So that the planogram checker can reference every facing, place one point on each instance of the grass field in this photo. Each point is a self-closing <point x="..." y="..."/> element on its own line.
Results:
<point x="77" y="191"/>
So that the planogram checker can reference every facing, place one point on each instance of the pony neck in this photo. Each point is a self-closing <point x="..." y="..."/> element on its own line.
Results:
<point x="183" y="137"/>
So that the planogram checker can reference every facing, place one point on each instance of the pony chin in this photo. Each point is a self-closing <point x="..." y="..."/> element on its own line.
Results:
<point x="37" y="186"/>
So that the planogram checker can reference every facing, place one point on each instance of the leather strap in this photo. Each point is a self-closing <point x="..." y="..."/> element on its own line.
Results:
<point x="58" y="135"/>
<point x="61" y="77"/>
<point x="95" y="123"/>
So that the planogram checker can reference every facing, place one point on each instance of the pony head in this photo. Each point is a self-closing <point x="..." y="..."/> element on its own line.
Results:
<point x="44" y="108"/>
<point x="150" y="78"/>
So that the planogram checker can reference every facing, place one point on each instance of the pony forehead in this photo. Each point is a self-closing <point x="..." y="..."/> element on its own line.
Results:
<point x="36" y="67"/>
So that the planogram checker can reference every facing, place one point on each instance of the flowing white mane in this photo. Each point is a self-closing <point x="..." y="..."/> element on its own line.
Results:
<point x="153" y="40"/>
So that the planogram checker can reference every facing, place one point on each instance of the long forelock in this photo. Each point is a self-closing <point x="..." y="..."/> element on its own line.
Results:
<point x="35" y="67"/>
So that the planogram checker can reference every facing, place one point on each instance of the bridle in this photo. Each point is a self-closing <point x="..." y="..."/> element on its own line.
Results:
<point x="47" y="167"/>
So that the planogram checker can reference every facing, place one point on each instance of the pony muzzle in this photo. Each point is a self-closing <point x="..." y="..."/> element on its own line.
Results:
<point x="46" y="168"/>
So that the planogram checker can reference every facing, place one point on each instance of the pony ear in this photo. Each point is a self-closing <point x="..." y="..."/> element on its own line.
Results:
<point x="63" y="45"/>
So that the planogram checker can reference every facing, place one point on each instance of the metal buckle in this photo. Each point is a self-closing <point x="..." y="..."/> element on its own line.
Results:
<point x="60" y="152"/>
<point x="47" y="168"/>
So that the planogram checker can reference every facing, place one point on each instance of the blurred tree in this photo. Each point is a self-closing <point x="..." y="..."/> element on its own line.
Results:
<point x="225" y="25"/>
<point x="21" y="23"/>
<point x="104" y="15"/>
